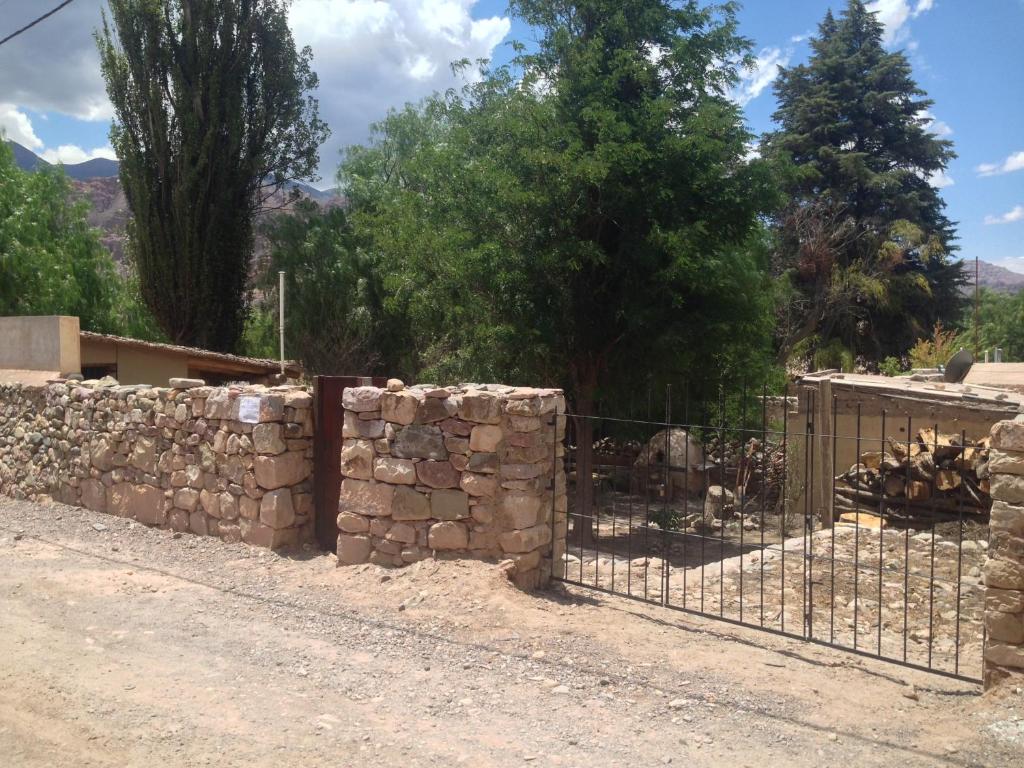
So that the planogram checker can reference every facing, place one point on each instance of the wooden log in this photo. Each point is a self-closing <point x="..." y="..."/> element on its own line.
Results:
<point x="869" y="500"/>
<point x="900" y="449"/>
<point x="947" y="479"/>
<point x="918" y="490"/>
<point x="922" y="467"/>
<point x="872" y="459"/>
<point x="894" y="485"/>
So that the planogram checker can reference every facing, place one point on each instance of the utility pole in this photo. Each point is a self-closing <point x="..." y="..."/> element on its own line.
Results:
<point x="280" y="321"/>
<point x="977" y="300"/>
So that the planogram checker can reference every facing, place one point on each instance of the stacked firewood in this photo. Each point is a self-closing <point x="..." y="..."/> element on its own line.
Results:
<point x="935" y="477"/>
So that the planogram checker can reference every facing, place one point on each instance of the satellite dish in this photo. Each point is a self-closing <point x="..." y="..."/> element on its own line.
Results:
<point x="958" y="366"/>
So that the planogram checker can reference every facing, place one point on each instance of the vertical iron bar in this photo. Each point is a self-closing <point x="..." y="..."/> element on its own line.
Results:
<point x="881" y="541"/>
<point x="808" y="562"/>
<point x="959" y="560"/>
<point x="931" y="567"/>
<point x="721" y="510"/>
<point x="740" y="502"/>
<point x="595" y="512"/>
<point x="856" y="535"/>
<point x="764" y="482"/>
<point x="668" y="496"/>
<point x="686" y="479"/>
<point x="783" y="501"/>
<point x="906" y="550"/>
<point x="831" y="508"/>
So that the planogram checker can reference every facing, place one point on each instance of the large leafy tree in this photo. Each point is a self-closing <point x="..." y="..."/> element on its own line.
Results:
<point x="51" y="261"/>
<point x="341" y="319"/>
<point x="585" y="216"/>
<point x="864" y="239"/>
<point x="213" y="117"/>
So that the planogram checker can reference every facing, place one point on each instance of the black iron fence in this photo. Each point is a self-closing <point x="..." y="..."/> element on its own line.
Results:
<point x="808" y="517"/>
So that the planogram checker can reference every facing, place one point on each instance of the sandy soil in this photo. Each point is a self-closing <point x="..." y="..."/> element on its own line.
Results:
<point x="127" y="646"/>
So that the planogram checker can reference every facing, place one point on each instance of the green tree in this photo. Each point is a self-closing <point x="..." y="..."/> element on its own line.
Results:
<point x="51" y="261"/>
<point x="339" y="319"/>
<point x="863" y="241"/>
<point x="1000" y="324"/>
<point x="213" y="116"/>
<point x="585" y="216"/>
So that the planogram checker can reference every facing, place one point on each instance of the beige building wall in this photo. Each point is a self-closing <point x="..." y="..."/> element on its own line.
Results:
<point x="40" y="343"/>
<point x="135" y="366"/>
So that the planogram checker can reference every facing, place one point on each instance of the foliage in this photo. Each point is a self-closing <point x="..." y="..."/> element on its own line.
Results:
<point x="213" y="116"/>
<point x="52" y="262"/>
<point x="935" y="351"/>
<point x="337" y="318"/>
<point x="833" y="354"/>
<point x="583" y="217"/>
<point x="864" y="242"/>
<point x="891" y="366"/>
<point x="1000" y="324"/>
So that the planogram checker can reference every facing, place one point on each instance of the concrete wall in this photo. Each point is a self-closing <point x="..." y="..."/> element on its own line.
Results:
<point x="43" y="343"/>
<point x="179" y="459"/>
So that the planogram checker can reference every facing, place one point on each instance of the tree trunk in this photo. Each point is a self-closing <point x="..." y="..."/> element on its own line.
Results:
<point x="584" y="520"/>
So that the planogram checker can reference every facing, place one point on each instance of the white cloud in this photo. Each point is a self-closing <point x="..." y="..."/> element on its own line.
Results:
<point x="895" y="14"/>
<point x="55" y="66"/>
<point x="16" y="126"/>
<point x="372" y="55"/>
<point x="70" y="154"/>
<point x="941" y="180"/>
<point x="934" y="125"/>
<point x="1014" y="214"/>
<point x="1015" y="162"/>
<point x="753" y="81"/>
<point x="800" y="38"/>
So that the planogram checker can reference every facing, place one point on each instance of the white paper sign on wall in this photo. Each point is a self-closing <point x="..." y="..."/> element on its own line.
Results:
<point x="249" y="410"/>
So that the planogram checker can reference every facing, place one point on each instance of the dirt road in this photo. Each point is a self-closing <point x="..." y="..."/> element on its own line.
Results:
<point x="127" y="646"/>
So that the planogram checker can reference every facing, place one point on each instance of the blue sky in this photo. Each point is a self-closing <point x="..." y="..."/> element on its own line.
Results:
<point x="375" y="54"/>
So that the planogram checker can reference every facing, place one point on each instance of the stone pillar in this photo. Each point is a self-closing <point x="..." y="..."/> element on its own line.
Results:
<point x="1004" y="568"/>
<point x="453" y="472"/>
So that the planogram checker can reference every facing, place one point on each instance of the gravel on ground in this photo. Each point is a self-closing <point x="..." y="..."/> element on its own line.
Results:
<point x="123" y="645"/>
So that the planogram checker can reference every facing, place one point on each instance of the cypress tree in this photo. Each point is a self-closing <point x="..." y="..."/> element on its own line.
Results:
<point x="213" y="117"/>
<point x="864" y="239"/>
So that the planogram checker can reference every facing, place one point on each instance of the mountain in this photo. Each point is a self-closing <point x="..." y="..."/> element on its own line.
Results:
<point x="96" y="182"/>
<point x="99" y="167"/>
<point x="995" y="278"/>
<point x="103" y="168"/>
<point x="25" y="158"/>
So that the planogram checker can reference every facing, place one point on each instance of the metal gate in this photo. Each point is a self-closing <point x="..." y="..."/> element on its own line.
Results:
<point x="747" y="513"/>
<point x="328" y="418"/>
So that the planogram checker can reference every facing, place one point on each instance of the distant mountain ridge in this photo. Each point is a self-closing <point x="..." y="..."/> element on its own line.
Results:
<point x="96" y="182"/>
<point x="102" y="168"/>
<point x="996" y="278"/>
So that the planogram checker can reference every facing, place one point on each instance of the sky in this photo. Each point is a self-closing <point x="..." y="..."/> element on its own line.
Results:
<point x="373" y="55"/>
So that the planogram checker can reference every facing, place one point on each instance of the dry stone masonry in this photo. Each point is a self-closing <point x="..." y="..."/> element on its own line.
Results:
<point x="465" y="471"/>
<point x="232" y="462"/>
<point x="1004" y="569"/>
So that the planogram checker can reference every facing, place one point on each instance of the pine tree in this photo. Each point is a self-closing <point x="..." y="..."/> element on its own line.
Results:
<point x="213" y="117"/>
<point x="864" y="239"/>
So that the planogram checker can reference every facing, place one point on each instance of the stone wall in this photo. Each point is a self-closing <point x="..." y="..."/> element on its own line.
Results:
<point x="1004" y="568"/>
<point x="453" y="472"/>
<point x="228" y="462"/>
